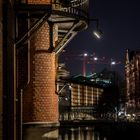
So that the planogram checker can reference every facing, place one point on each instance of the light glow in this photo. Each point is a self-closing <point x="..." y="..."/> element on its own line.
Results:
<point x="113" y="63"/>
<point x="95" y="58"/>
<point x="85" y="54"/>
<point x="97" y="34"/>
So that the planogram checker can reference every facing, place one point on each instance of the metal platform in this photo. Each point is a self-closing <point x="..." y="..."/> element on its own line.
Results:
<point x="69" y="18"/>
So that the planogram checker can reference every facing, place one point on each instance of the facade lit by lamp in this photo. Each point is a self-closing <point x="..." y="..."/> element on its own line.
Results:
<point x="85" y="95"/>
<point x="132" y="77"/>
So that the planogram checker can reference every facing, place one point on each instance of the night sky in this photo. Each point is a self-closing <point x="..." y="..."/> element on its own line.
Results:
<point x="120" y="23"/>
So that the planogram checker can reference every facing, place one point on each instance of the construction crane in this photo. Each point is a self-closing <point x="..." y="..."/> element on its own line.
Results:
<point x="90" y="59"/>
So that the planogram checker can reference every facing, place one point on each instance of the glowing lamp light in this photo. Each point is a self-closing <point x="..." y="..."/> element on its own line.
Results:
<point x="113" y="63"/>
<point x="95" y="58"/>
<point x="85" y="54"/>
<point x="97" y="34"/>
<point x="70" y="87"/>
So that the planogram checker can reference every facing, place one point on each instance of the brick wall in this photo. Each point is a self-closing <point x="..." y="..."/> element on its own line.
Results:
<point x="40" y="100"/>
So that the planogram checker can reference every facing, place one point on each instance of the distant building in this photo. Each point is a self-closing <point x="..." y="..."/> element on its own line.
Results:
<point x="132" y="76"/>
<point x="104" y="78"/>
<point x="80" y="99"/>
<point x="84" y="93"/>
<point x="95" y="91"/>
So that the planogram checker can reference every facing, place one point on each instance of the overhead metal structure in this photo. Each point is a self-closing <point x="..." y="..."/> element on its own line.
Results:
<point x="71" y="16"/>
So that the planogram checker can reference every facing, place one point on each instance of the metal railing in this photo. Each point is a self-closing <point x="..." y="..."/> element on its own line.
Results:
<point x="75" y="7"/>
<point x="78" y="113"/>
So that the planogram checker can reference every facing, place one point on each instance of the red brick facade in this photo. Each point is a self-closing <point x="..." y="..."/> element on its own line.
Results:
<point x="85" y="95"/>
<point x="40" y="100"/>
<point x="132" y="75"/>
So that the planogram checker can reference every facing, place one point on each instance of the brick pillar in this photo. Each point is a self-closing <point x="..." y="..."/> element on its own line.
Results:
<point x="40" y="100"/>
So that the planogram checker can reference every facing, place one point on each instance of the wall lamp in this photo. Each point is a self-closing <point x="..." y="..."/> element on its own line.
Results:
<point x="97" y="32"/>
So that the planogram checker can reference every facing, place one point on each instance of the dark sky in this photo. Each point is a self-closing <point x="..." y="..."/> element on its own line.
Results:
<point x="120" y="23"/>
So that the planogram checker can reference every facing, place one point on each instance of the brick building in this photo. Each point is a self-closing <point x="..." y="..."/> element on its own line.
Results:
<point x="80" y="98"/>
<point x="84" y="93"/>
<point x="34" y="34"/>
<point x="132" y="76"/>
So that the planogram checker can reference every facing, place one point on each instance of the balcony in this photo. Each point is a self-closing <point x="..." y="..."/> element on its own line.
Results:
<point x="70" y="17"/>
<point x="74" y="8"/>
